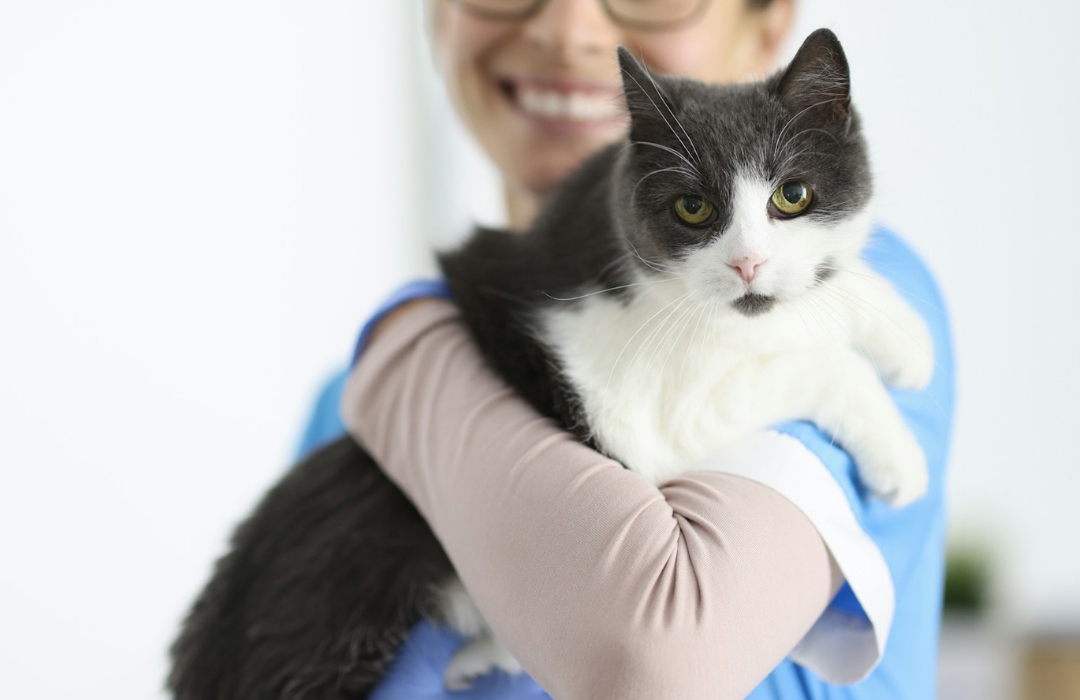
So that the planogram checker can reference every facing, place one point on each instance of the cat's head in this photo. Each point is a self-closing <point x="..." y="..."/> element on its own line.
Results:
<point x="753" y="193"/>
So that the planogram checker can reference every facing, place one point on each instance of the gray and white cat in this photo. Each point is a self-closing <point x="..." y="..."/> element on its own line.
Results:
<point x="732" y="296"/>
<point x="688" y="287"/>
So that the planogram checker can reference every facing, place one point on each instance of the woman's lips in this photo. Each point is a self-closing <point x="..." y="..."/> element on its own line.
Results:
<point x="562" y="105"/>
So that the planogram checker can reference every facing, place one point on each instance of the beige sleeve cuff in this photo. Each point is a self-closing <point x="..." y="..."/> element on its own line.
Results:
<point x="602" y="584"/>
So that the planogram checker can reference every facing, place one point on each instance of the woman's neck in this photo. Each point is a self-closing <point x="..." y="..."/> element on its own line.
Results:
<point x="521" y="207"/>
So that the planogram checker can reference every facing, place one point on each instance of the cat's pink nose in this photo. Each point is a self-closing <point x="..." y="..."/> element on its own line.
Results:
<point x="747" y="268"/>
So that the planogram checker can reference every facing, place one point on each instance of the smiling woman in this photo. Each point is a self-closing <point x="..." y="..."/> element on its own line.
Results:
<point x="538" y="84"/>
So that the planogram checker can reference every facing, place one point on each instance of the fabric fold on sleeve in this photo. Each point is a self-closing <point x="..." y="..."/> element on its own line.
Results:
<point x="846" y="643"/>
<point x="601" y="583"/>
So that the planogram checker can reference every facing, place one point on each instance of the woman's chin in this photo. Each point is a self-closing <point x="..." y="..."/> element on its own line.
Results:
<point x="541" y="170"/>
<point x="541" y="180"/>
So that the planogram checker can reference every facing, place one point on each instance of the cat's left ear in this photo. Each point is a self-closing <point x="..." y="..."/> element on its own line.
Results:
<point x="817" y="83"/>
<point x="650" y="110"/>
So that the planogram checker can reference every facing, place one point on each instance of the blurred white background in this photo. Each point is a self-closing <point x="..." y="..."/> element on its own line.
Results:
<point x="201" y="201"/>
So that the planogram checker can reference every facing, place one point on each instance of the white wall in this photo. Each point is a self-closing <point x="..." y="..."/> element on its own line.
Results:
<point x="199" y="201"/>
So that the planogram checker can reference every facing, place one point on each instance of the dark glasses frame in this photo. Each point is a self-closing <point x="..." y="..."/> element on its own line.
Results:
<point x="534" y="7"/>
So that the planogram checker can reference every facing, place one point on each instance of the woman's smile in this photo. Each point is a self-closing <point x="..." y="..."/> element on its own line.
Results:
<point x="561" y="104"/>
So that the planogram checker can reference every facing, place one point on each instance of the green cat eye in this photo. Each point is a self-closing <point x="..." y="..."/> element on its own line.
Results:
<point x="792" y="198"/>
<point x="693" y="209"/>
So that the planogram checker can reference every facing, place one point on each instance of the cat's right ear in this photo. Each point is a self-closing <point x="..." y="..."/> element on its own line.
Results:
<point x="817" y="82"/>
<point x="645" y="102"/>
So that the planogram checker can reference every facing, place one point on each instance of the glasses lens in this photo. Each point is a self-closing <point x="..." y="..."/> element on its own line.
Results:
<point x="654" y="13"/>
<point x="500" y="9"/>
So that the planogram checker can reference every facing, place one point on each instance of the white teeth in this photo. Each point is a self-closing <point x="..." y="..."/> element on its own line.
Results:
<point x="551" y="104"/>
<point x="576" y="106"/>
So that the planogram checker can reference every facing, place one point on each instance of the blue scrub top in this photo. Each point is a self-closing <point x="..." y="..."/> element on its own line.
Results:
<point x="911" y="540"/>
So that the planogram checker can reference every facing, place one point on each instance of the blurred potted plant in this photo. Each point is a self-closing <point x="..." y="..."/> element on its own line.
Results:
<point x="974" y="661"/>
<point x="967" y="579"/>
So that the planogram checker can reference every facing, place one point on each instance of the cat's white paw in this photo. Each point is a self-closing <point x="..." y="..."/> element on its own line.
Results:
<point x="912" y="365"/>
<point x="896" y="473"/>
<point x="477" y="658"/>
<point x="914" y="372"/>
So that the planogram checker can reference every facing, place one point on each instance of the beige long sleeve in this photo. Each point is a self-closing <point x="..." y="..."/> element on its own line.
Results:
<point x="602" y="584"/>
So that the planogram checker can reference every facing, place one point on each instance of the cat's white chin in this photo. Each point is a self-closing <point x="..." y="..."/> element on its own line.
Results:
<point x="721" y="296"/>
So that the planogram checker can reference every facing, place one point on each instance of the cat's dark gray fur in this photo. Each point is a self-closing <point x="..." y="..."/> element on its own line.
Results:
<point x="326" y="578"/>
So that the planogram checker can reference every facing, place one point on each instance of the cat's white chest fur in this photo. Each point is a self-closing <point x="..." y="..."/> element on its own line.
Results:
<point x="657" y="376"/>
<point x="668" y="381"/>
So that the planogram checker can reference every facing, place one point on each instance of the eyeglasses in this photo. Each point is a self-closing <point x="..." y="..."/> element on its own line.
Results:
<point x="635" y="14"/>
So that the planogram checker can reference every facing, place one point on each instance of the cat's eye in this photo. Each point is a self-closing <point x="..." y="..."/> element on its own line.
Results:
<point x="694" y="210"/>
<point x="792" y="198"/>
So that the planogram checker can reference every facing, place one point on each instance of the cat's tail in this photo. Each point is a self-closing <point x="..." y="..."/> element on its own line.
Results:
<point x="322" y="584"/>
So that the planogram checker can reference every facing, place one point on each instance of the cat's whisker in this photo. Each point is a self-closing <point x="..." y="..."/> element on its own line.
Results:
<point x="708" y="334"/>
<point x="656" y="340"/>
<point x="662" y="340"/>
<point x="869" y="356"/>
<point x="652" y="264"/>
<point x="840" y="366"/>
<point x="792" y="139"/>
<point x="660" y="93"/>
<point x="799" y="114"/>
<point x="603" y="270"/>
<point x="658" y="110"/>
<point x="607" y="387"/>
<point x="829" y="315"/>
<point x="815" y="310"/>
<point x="783" y="166"/>
<point x="785" y="147"/>
<point x="674" y="343"/>
<point x="610" y="289"/>
<point x="671" y="339"/>
<point x="867" y="311"/>
<point x="693" y="336"/>
<point x="937" y="366"/>
<point x="809" y="332"/>
<point x="675" y="169"/>
<point x="887" y="284"/>
<point x="513" y="298"/>
<point x="672" y="151"/>
<point x="858" y="305"/>
<point x="859" y="345"/>
<point x="626" y="260"/>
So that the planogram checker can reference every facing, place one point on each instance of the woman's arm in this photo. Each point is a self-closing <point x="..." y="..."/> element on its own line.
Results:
<point x="603" y="585"/>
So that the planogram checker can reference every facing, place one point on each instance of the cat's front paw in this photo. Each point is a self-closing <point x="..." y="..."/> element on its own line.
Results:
<point x="897" y="475"/>
<point x="911" y="359"/>
<point x="914" y="372"/>
<point x="477" y="658"/>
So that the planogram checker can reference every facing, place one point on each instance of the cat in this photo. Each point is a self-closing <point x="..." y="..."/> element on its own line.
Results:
<point x="682" y="289"/>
